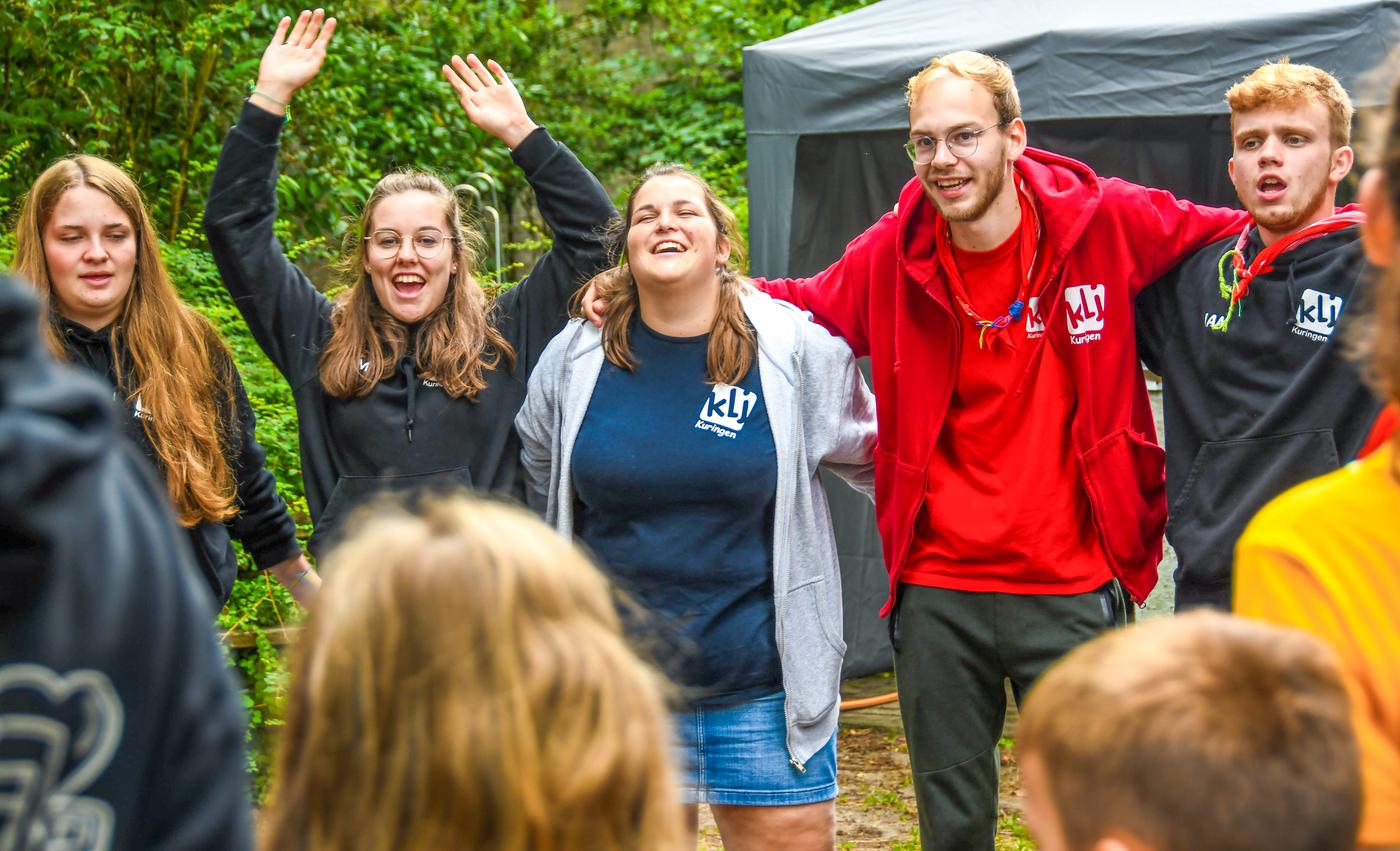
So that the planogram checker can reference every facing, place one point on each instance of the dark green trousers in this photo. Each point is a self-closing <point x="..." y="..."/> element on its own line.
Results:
<point x="953" y="651"/>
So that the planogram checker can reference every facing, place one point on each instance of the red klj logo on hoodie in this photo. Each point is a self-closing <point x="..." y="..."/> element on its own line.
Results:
<point x="1084" y="312"/>
<point x="1035" y="320"/>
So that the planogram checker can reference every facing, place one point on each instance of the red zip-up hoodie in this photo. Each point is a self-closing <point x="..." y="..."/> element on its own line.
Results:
<point x="1103" y="241"/>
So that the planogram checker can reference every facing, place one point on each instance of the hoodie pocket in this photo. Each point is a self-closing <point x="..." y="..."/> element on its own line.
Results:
<point x="353" y="491"/>
<point x="814" y="686"/>
<point x="1229" y="481"/>
<point x="1125" y="477"/>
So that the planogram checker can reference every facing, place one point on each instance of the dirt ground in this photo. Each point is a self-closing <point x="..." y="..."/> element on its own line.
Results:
<point x="876" y="806"/>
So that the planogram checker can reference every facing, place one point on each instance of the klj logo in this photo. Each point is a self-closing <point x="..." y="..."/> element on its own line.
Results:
<point x="1084" y="308"/>
<point x="1035" y="322"/>
<point x="728" y="407"/>
<point x="1318" y="312"/>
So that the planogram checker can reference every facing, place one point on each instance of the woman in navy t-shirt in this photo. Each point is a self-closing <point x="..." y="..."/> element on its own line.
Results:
<point x="681" y="444"/>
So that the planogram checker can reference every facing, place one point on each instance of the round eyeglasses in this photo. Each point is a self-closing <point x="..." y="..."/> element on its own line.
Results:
<point x="961" y="143"/>
<point x="385" y="244"/>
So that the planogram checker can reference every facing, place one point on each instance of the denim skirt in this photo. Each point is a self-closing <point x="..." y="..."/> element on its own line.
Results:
<point x="738" y="755"/>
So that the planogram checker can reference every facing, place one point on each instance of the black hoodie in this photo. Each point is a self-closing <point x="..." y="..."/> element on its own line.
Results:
<point x="1257" y="409"/>
<point x="262" y="524"/>
<point x="119" y="724"/>
<point x="407" y="434"/>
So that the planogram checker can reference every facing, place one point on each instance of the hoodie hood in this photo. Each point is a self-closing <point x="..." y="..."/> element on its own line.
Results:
<point x="54" y="426"/>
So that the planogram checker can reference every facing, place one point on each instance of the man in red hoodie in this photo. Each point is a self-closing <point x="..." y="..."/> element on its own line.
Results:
<point x="1019" y="487"/>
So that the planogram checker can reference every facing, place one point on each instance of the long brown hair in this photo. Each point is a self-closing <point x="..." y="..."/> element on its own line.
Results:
<point x="1383" y="338"/>
<point x="455" y="345"/>
<point x="462" y="682"/>
<point x="732" y="345"/>
<point x="166" y="355"/>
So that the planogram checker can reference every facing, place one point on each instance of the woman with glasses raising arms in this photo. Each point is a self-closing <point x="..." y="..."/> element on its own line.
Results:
<point x="410" y="379"/>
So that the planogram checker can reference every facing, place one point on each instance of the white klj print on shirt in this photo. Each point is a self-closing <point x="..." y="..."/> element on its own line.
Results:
<point x="1317" y="314"/>
<point x="1084" y="312"/>
<point x="726" y="410"/>
<point x="58" y="733"/>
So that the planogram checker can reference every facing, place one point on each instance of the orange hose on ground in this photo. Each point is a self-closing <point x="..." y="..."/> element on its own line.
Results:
<point x="867" y="702"/>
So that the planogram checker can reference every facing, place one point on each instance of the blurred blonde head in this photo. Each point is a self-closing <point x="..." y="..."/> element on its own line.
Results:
<point x="463" y="682"/>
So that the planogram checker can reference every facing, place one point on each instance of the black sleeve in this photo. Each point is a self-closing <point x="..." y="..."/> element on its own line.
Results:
<point x="577" y="209"/>
<point x="287" y="314"/>
<point x="263" y="524"/>
<point x="1153" y="311"/>
<point x="195" y="792"/>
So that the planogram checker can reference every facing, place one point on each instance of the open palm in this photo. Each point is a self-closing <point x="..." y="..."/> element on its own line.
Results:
<point x="291" y="60"/>
<point x="489" y="97"/>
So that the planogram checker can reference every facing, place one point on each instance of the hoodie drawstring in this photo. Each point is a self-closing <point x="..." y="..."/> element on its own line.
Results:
<point x="411" y="378"/>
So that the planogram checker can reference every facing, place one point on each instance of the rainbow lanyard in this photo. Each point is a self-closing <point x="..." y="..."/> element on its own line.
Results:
<point x="1029" y="250"/>
<point x="1263" y="262"/>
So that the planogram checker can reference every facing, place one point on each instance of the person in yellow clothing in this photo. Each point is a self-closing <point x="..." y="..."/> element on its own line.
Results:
<point x="1325" y="556"/>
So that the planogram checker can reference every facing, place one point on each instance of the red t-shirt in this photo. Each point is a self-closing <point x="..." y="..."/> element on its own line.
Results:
<point x="1005" y="509"/>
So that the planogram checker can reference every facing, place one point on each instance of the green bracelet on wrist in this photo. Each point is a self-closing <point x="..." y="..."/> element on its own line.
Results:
<point x="286" y="107"/>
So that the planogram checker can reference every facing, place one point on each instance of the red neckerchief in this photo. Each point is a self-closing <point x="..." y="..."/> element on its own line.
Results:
<point x="1029" y="245"/>
<point x="1263" y="262"/>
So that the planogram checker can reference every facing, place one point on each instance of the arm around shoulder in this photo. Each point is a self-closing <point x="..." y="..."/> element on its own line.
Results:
<point x="839" y="296"/>
<point x="1169" y="228"/>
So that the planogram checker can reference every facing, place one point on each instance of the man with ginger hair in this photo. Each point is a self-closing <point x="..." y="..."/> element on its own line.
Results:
<point x="1019" y="490"/>
<point x="1202" y="732"/>
<point x="1249" y="333"/>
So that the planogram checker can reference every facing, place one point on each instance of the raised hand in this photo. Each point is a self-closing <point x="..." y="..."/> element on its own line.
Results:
<point x="492" y="103"/>
<point x="290" y="61"/>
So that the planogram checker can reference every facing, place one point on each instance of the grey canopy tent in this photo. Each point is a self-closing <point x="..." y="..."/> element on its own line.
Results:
<point x="1134" y="90"/>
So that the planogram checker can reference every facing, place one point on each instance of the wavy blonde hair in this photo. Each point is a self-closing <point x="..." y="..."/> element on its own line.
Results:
<point x="733" y="344"/>
<point x="462" y="682"/>
<point x="455" y="345"/>
<point x="991" y="73"/>
<point x="166" y="354"/>
<point x="1282" y="82"/>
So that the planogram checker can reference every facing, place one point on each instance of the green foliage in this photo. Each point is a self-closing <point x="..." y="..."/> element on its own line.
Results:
<point x="154" y="86"/>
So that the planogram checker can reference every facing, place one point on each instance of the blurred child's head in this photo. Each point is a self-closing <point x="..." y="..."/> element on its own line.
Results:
<point x="462" y="682"/>
<point x="1202" y="732"/>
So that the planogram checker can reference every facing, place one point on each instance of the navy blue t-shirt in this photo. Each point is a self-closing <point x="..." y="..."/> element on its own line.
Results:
<point x="675" y="480"/>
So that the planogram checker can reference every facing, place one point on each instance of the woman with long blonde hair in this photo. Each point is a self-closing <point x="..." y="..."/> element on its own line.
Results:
<point x="409" y="380"/>
<point x="463" y="683"/>
<point x="681" y="444"/>
<point x="86" y="242"/>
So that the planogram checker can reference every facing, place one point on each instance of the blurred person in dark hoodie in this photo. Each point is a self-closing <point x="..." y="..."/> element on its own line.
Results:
<point x="119" y="724"/>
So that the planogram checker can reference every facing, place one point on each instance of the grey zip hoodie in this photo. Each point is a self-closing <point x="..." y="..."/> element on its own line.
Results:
<point x="821" y="412"/>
